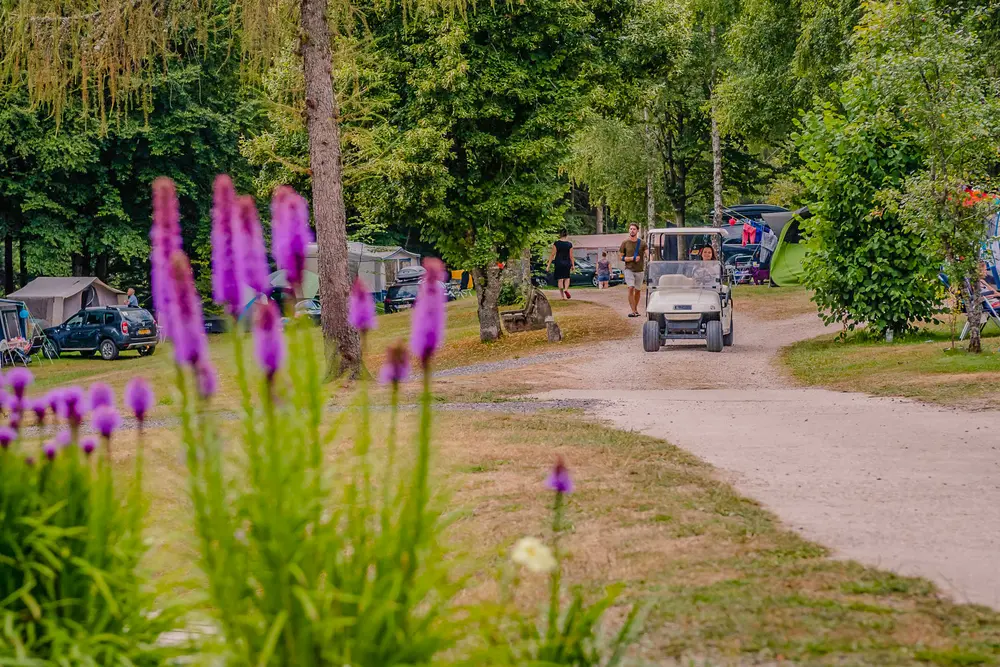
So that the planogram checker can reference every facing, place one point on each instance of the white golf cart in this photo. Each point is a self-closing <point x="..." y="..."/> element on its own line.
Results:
<point x="686" y="296"/>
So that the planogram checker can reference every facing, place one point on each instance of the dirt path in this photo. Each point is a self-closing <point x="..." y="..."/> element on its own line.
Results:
<point x="891" y="483"/>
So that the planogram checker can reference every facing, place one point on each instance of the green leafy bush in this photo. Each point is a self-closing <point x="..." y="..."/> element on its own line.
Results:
<point x="510" y="294"/>
<point x="70" y="545"/>
<point x="867" y="267"/>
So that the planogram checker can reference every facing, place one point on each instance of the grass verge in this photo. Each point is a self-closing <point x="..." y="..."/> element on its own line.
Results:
<point x="922" y="366"/>
<point x="726" y="583"/>
<point x="773" y="303"/>
<point x="580" y="321"/>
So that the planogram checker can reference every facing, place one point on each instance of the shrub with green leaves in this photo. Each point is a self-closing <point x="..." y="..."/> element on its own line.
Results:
<point x="71" y="592"/>
<point x="866" y="266"/>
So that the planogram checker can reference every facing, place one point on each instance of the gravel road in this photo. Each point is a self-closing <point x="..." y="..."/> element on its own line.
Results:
<point x="889" y="482"/>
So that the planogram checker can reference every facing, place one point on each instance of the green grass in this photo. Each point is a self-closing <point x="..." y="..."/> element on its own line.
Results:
<point x="773" y="303"/>
<point x="580" y="322"/>
<point x="922" y="366"/>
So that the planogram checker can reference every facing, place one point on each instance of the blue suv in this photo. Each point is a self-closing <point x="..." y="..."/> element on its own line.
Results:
<point x="107" y="330"/>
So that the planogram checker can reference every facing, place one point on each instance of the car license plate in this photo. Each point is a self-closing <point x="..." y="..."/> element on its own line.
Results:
<point x="143" y="332"/>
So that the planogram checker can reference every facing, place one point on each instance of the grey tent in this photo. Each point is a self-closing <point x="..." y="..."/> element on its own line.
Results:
<point x="55" y="299"/>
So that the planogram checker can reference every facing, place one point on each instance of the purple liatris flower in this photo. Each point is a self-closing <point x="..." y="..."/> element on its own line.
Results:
<point x="7" y="436"/>
<point x="40" y="406"/>
<point x="63" y="439"/>
<point x="50" y="450"/>
<point x="187" y="326"/>
<point x="226" y="250"/>
<point x="101" y="395"/>
<point x="396" y="367"/>
<point x="106" y="420"/>
<point x="290" y="233"/>
<point x="559" y="480"/>
<point x="268" y="338"/>
<point x="18" y="380"/>
<point x="361" y="307"/>
<point x="88" y="444"/>
<point x="165" y="239"/>
<point x="139" y="397"/>
<point x="427" y="330"/>
<point x="207" y="379"/>
<point x="72" y="406"/>
<point x="14" y="421"/>
<point x="254" y="254"/>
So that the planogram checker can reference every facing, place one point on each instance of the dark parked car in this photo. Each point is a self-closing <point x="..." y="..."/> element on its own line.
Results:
<point x="583" y="273"/>
<point x="401" y="296"/>
<point x="107" y="330"/>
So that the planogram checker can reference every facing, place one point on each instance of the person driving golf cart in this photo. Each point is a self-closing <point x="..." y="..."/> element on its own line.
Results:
<point x="687" y="298"/>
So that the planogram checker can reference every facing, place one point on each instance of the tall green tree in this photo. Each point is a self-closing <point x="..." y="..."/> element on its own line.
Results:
<point x="926" y="65"/>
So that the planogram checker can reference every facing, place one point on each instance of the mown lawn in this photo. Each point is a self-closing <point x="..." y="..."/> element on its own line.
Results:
<point x="580" y="322"/>
<point x="922" y="366"/>
<point x="725" y="582"/>
<point x="773" y="303"/>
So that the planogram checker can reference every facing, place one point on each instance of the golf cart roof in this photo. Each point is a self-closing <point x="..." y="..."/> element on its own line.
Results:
<point x="679" y="231"/>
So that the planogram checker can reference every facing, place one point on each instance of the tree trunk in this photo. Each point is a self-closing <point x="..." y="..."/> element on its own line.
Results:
<point x="599" y="218"/>
<point x="23" y="265"/>
<point x="716" y="161"/>
<point x="343" y="346"/>
<point x="8" y="263"/>
<point x="526" y="271"/>
<point x="650" y="195"/>
<point x="85" y="262"/>
<point x="974" y="313"/>
<point x="101" y="266"/>
<point x="487" y="282"/>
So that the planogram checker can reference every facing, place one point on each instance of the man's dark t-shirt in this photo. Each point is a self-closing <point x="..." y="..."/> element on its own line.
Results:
<point x="628" y="250"/>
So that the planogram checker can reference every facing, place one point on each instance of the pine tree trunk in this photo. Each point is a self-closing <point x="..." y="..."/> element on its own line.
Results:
<point x="343" y="346"/>
<point x="8" y="263"/>
<point x="487" y="281"/>
<point x="974" y="313"/>
<point x="101" y="266"/>
<point x="599" y="218"/>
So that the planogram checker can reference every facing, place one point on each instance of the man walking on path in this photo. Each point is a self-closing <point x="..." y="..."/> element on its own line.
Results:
<point x="631" y="253"/>
<point x="132" y="301"/>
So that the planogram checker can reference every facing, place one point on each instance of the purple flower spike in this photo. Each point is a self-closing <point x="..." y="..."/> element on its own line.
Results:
<point x="139" y="398"/>
<point x="397" y="365"/>
<point x="290" y="233"/>
<point x="88" y="444"/>
<point x="40" y="406"/>
<point x="19" y="379"/>
<point x="12" y="404"/>
<point x="63" y="439"/>
<point x="361" y="307"/>
<point x="208" y="380"/>
<point x="29" y="461"/>
<point x="50" y="450"/>
<point x="71" y="405"/>
<point x="165" y="239"/>
<point x="559" y="480"/>
<point x="14" y="421"/>
<point x="253" y="250"/>
<point x="7" y="436"/>
<point x="268" y="338"/>
<point x="101" y="395"/>
<point x="187" y="328"/>
<point x="427" y="332"/>
<point x="226" y="253"/>
<point x="106" y="420"/>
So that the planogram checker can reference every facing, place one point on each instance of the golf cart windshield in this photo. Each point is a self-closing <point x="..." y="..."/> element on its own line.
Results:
<point x="675" y="262"/>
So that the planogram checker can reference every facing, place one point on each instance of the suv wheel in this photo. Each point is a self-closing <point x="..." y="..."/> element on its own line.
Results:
<point x="147" y="351"/>
<point x="109" y="351"/>
<point x="50" y="349"/>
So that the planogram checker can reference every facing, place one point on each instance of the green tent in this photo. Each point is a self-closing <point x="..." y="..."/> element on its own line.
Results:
<point x="786" y="263"/>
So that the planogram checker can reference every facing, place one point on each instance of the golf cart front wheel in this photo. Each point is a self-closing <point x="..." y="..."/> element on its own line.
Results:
<point x="713" y="336"/>
<point x="727" y="339"/>
<point x="651" y="336"/>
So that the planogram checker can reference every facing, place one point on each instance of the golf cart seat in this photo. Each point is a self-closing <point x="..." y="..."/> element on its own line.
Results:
<point x="669" y="280"/>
